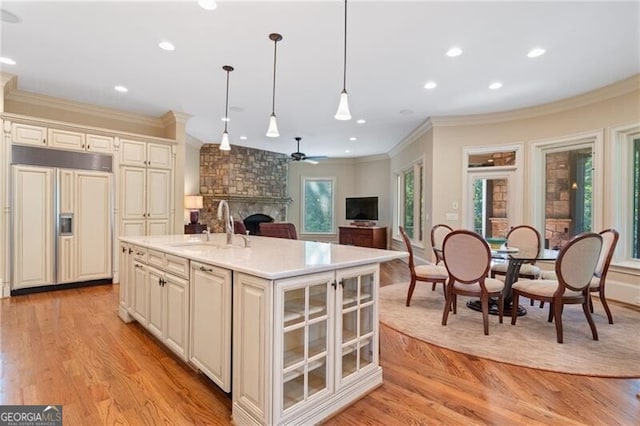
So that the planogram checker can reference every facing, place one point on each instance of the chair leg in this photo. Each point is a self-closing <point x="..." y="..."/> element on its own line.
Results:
<point x="484" y="300"/>
<point x="447" y="305"/>
<point x="541" y="304"/>
<point x="514" y="312"/>
<point x="501" y="307"/>
<point x="455" y="303"/>
<point x="531" y="302"/>
<point x="433" y="287"/>
<point x="587" y="313"/>
<point x="590" y="303"/>
<point x="550" y="318"/>
<point x="412" y="286"/>
<point x="557" y="313"/>
<point x="605" y="305"/>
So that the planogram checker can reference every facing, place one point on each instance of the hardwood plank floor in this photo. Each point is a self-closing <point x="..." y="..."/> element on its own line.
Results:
<point x="69" y="347"/>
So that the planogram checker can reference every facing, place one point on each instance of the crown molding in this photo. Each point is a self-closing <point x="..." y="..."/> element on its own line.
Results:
<point x="8" y="81"/>
<point x="175" y="117"/>
<point x="80" y="108"/>
<point x="423" y="128"/>
<point x="193" y="141"/>
<point x="619" y="88"/>
<point x="371" y="158"/>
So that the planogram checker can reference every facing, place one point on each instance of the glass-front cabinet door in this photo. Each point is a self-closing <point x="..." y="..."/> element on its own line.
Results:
<point x="304" y="307"/>
<point x="357" y="317"/>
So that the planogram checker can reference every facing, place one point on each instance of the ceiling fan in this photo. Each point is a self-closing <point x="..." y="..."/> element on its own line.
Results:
<point x="301" y="156"/>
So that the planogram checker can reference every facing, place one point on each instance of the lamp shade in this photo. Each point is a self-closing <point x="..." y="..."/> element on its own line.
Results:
<point x="224" y="144"/>
<point x="272" y="131"/>
<point x="192" y="202"/>
<point x="343" y="112"/>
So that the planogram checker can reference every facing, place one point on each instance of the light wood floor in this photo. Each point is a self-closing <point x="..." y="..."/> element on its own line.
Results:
<point x="69" y="347"/>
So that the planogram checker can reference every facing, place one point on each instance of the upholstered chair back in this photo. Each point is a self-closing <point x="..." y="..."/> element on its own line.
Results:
<point x="524" y="237"/>
<point x="609" y="241"/>
<point x="467" y="256"/>
<point x="577" y="261"/>
<point x="438" y="234"/>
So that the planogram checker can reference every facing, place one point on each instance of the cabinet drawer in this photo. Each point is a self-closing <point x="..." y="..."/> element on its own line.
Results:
<point x="140" y="254"/>
<point x="156" y="258"/>
<point x="28" y="135"/>
<point x="66" y="140"/>
<point x="177" y="266"/>
<point x="96" y="143"/>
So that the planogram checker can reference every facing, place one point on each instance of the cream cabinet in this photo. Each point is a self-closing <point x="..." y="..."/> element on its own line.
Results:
<point x="26" y="134"/>
<point x="323" y="332"/>
<point x="161" y="297"/>
<point x="145" y="201"/>
<point x="210" y="322"/>
<point x="99" y="143"/>
<point x="33" y="226"/>
<point x="145" y="154"/>
<point x="78" y="141"/>
<point x="126" y="285"/>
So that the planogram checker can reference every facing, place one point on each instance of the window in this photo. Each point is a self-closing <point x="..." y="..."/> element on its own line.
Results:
<point x="623" y="195"/>
<point x="318" y="205"/>
<point x="568" y="175"/>
<point x="635" y="213"/>
<point x="410" y="201"/>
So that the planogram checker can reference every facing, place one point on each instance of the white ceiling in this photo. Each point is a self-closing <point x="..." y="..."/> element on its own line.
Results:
<point x="81" y="50"/>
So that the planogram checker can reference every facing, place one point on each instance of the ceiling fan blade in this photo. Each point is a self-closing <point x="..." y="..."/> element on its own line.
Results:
<point x="317" y="157"/>
<point x="310" y="160"/>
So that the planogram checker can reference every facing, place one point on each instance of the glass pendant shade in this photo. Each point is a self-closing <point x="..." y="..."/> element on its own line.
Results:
<point x="343" y="112"/>
<point x="224" y="144"/>
<point x="272" y="131"/>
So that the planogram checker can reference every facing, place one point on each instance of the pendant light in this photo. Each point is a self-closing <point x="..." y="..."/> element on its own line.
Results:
<point x="343" y="112"/>
<point x="272" y="131"/>
<point x="224" y="144"/>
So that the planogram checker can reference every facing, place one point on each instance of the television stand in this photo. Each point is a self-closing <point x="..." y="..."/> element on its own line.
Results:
<point x="363" y="236"/>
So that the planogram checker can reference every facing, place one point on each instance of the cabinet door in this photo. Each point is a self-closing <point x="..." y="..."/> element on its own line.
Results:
<point x="66" y="140"/>
<point x="176" y="327"/>
<point x="159" y="156"/>
<point x="66" y="259"/>
<point x="157" y="227"/>
<point x="357" y="322"/>
<point x="133" y="228"/>
<point x="133" y="183"/>
<point x="66" y="191"/>
<point x="140" y="292"/>
<point x="303" y="342"/>
<point x="210" y="322"/>
<point x="98" y="143"/>
<point x="28" y="135"/>
<point x="124" y="277"/>
<point x="93" y="225"/>
<point x="158" y="193"/>
<point x="156" y="303"/>
<point x="32" y="226"/>
<point x="133" y="153"/>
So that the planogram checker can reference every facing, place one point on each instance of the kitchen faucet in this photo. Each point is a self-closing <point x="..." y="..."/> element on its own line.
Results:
<point x="223" y="214"/>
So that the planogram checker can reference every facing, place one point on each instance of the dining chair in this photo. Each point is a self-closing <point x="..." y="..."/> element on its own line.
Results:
<point x="575" y="267"/>
<point x="431" y="273"/>
<point x="438" y="234"/>
<point x="467" y="257"/>
<point x="609" y="242"/>
<point x="523" y="237"/>
<point x="278" y="230"/>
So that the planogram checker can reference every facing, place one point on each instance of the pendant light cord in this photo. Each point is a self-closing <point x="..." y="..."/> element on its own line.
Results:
<point x="273" y="97"/>
<point x="226" y="105"/>
<point x="344" y="80"/>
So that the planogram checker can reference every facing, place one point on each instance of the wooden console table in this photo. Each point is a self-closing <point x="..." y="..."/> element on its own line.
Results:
<point x="194" y="228"/>
<point x="363" y="236"/>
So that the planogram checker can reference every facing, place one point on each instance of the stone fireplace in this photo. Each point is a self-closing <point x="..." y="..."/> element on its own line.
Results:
<point x="250" y="180"/>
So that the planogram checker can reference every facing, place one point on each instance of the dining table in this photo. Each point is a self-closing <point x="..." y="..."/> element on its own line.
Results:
<point x="516" y="258"/>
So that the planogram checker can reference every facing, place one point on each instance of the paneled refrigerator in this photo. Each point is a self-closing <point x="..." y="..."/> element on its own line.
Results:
<point x="61" y="218"/>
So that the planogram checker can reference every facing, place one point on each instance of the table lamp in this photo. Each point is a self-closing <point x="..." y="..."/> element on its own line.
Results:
<point x="194" y="204"/>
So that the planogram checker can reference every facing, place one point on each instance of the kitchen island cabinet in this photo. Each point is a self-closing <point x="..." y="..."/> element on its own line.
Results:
<point x="305" y="321"/>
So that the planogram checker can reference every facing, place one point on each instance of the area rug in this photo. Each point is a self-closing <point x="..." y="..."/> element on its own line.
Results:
<point x="530" y="343"/>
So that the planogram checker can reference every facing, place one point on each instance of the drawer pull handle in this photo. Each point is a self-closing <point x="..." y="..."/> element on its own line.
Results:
<point x="203" y="269"/>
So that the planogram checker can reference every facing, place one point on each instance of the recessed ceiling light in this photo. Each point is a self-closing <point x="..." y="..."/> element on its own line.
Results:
<point x="430" y="85"/>
<point x="406" y="111"/>
<point x="353" y="138"/>
<point x="121" y="89"/>
<point x="243" y="138"/>
<point x="8" y="61"/>
<point x="495" y="85"/>
<point x="165" y="45"/>
<point x="535" y="52"/>
<point x="207" y="4"/>
<point x="454" y="51"/>
<point x="361" y="121"/>
<point x="347" y="151"/>
<point x="236" y="108"/>
<point x="227" y="119"/>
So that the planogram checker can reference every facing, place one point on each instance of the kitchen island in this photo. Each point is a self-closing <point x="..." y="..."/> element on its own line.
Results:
<point x="296" y="320"/>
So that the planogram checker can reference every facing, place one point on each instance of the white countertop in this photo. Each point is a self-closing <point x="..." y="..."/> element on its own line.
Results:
<point x="270" y="258"/>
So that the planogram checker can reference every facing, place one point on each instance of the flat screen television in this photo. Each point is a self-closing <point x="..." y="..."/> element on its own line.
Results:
<point x="362" y="208"/>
